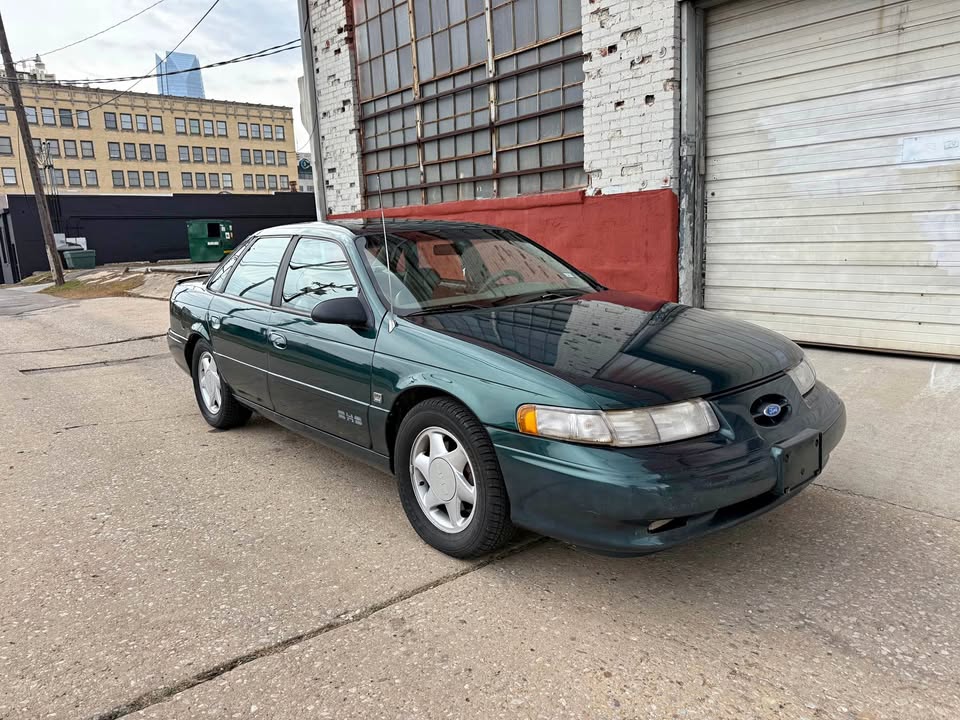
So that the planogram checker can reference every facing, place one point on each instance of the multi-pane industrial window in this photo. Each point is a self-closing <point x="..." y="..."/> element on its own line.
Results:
<point x="117" y="176"/>
<point x="73" y="178"/>
<point x="83" y="120"/>
<point x="163" y="179"/>
<point x="208" y="127"/>
<point x="126" y="121"/>
<point x="129" y="151"/>
<point x="113" y="150"/>
<point x="70" y="148"/>
<point x="184" y="153"/>
<point x="211" y="155"/>
<point x="261" y="182"/>
<point x="242" y="129"/>
<point x="186" y="179"/>
<point x="227" y="181"/>
<point x="48" y="116"/>
<point x="214" y="181"/>
<point x="194" y="126"/>
<point x="201" y="181"/>
<point x="32" y="116"/>
<point x="258" y="157"/>
<point x="473" y="125"/>
<point x="284" y="182"/>
<point x="142" y="125"/>
<point x="272" y="182"/>
<point x="255" y="131"/>
<point x="247" y="181"/>
<point x="224" y="155"/>
<point x="58" y="177"/>
<point x="53" y="148"/>
<point x="268" y="132"/>
<point x="271" y="156"/>
<point x="145" y="152"/>
<point x="160" y="152"/>
<point x="133" y="178"/>
<point x="3" y="115"/>
<point x="148" y="179"/>
<point x="156" y="123"/>
<point x="222" y="128"/>
<point x="66" y="118"/>
<point x="6" y="146"/>
<point x="197" y="154"/>
<point x="244" y="156"/>
<point x="281" y="157"/>
<point x="90" y="178"/>
<point x="278" y="132"/>
<point x="180" y="124"/>
<point x="9" y="176"/>
<point x="86" y="149"/>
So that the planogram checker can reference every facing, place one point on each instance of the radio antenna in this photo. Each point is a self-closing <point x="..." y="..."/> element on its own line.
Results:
<point x="391" y="317"/>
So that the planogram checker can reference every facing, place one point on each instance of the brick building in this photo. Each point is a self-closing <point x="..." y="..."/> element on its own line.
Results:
<point x="792" y="162"/>
<point x="140" y="143"/>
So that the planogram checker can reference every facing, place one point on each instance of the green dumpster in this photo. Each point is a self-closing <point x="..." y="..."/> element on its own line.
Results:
<point x="76" y="259"/>
<point x="209" y="240"/>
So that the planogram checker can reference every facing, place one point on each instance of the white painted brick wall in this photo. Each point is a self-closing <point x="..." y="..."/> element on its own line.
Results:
<point x="631" y="96"/>
<point x="336" y="105"/>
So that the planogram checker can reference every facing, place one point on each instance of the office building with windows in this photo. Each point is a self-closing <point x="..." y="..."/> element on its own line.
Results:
<point x="179" y="74"/>
<point x="94" y="142"/>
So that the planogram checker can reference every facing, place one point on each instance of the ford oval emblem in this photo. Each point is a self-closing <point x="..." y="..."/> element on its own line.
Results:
<point x="771" y="410"/>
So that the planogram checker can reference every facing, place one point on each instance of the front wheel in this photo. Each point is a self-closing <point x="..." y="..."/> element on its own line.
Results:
<point x="217" y="404"/>
<point x="449" y="480"/>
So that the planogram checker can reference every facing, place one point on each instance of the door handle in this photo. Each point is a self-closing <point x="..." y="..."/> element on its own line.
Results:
<point x="215" y="321"/>
<point x="278" y="340"/>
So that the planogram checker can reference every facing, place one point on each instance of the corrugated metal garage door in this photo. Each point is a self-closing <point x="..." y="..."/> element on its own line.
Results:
<point x="833" y="170"/>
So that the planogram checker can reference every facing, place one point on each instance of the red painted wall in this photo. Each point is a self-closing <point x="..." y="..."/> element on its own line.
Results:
<point x="627" y="241"/>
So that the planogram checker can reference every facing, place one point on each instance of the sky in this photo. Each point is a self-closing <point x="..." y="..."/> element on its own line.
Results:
<point x="235" y="27"/>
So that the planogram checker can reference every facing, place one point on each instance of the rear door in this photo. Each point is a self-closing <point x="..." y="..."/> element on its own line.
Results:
<point x="239" y="316"/>
<point x="320" y="373"/>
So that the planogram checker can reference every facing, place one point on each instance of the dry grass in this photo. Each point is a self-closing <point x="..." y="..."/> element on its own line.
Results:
<point x="79" y="290"/>
<point x="37" y="279"/>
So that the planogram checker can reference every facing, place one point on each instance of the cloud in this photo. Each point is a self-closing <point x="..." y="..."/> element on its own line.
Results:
<point x="234" y="27"/>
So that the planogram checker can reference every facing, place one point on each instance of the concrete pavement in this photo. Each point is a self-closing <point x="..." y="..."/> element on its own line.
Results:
<point x="155" y="568"/>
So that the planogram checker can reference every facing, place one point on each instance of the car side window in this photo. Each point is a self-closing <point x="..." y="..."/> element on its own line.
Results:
<point x="256" y="271"/>
<point x="219" y="275"/>
<point x="318" y="270"/>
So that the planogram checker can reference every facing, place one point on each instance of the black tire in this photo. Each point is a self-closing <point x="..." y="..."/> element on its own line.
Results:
<point x="230" y="413"/>
<point x="489" y="526"/>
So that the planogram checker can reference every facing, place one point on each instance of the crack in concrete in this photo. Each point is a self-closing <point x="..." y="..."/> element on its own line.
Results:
<point x="851" y="493"/>
<point x="80" y="347"/>
<point x="165" y="692"/>
<point x="85" y="366"/>
<point x="125" y="422"/>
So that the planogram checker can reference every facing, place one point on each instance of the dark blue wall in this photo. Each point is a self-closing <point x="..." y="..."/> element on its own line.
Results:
<point x="128" y="228"/>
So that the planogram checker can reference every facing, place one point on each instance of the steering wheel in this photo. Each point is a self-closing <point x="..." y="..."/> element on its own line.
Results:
<point x="493" y="280"/>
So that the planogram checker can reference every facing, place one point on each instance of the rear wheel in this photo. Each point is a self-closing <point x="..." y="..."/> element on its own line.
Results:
<point x="217" y="404"/>
<point x="449" y="480"/>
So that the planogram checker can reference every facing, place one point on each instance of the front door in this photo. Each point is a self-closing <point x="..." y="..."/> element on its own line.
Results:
<point x="320" y="373"/>
<point x="239" y="319"/>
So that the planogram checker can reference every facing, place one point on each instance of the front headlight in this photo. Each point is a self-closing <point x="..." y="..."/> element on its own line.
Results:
<point x="803" y="376"/>
<point x="622" y="428"/>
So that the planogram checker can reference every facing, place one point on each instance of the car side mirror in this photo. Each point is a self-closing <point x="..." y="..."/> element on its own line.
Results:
<point x="340" y="311"/>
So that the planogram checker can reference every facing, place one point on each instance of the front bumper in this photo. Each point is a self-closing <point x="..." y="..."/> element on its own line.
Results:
<point x="603" y="499"/>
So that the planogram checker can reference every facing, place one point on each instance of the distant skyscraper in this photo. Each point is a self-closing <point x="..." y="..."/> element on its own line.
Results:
<point x="184" y="84"/>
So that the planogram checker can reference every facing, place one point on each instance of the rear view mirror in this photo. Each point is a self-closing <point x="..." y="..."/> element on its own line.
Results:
<point x="340" y="311"/>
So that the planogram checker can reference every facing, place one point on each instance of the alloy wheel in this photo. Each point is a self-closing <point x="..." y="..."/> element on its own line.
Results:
<point x="443" y="480"/>
<point x="209" y="382"/>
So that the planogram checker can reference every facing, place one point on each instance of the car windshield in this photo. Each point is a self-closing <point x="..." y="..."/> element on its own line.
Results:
<point x="465" y="267"/>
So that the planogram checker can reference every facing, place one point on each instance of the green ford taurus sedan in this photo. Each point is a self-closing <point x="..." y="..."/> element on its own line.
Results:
<point x="503" y="387"/>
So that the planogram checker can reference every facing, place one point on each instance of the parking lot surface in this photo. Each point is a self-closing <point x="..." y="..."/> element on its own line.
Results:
<point x="152" y="567"/>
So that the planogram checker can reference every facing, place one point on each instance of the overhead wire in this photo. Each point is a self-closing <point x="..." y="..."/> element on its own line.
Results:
<point x="96" y="34"/>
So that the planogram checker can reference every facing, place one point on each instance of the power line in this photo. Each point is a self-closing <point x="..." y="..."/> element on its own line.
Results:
<point x="90" y="37"/>
<point x="157" y="66"/>
<point x="266" y="52"/>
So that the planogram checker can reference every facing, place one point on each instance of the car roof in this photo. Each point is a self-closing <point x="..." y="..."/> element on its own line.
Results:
<point x="361" y="226"/>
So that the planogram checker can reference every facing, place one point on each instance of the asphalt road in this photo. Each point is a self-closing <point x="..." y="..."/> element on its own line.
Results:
<point x="151" y="567"/>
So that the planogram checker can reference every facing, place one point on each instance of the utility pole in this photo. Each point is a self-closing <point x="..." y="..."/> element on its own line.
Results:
<point x="45" y="223"/>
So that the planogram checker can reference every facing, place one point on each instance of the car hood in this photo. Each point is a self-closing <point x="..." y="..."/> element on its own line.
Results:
<point x="624" y="349"/>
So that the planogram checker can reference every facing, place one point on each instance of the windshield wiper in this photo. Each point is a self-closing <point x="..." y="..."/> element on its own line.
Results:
<point x="539" y="295"/>
<point x="453" y="307"/>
